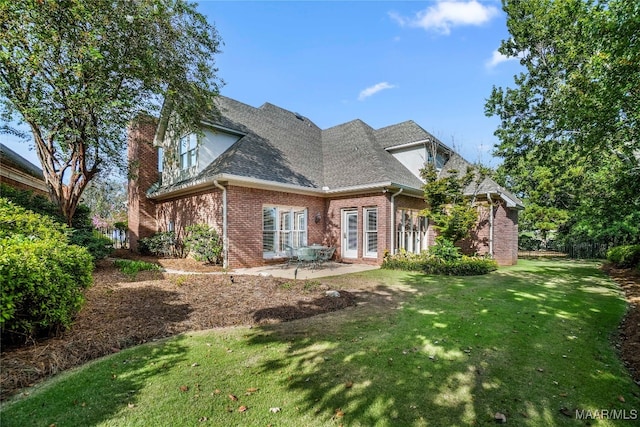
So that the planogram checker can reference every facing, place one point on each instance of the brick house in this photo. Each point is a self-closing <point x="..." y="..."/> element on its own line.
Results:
<point x="19" y="173"/>
<point x="268" y="179"/>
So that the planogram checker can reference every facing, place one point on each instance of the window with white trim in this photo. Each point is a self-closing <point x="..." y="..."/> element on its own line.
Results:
<point x="370" y="232"/>
<point x="411" y="231"/>
<point x="283" y="227"/>
<point x="188" y="151"/>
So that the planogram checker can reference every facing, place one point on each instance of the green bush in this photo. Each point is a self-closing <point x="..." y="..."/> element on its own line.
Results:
<point x="82" y="233"/>
<point x="164" y="244"/>
<point x="627" y="256"/>
<point x="42" y="276"/>
<point x="429" y="264"/>
<point x="16" y="220"/>
<point x="98" y="245"/>
<point x="204" y="242"/>
<point x="42" y="205"/>
<point x="444" y="249"/>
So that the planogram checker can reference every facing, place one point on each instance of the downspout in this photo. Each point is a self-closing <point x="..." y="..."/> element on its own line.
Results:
<point x="392" y="221"/>
<point x="225" y="242"/>
<point x="490" y="224"/>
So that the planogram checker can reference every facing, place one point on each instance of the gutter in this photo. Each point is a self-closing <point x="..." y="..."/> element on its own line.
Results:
<point x="392" y="221"/>
<point x="202" y="183"/>
<point x="225" y="240"/>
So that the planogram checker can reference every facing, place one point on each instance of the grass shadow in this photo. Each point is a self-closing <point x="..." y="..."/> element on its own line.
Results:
<point x="77" y="397"/>
<point x="530" y="343"/>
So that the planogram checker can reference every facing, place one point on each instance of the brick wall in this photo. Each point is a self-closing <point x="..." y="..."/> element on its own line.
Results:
<point x="336" y="206"/>
<point x="27" y="183"/>
<point x="505" y="237"/>
<point x="143" y="172"/>
<point x="244" y="208"/>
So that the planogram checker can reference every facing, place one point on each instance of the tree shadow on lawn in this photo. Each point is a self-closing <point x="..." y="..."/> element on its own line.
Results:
<point x="531" y="344"/>
<point x="70" y="400"/>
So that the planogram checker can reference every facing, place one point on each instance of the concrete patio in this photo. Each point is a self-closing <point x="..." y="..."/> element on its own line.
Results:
<point x="306" y="272"/>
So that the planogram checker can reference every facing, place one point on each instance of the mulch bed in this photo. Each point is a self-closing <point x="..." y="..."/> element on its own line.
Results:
<point x="629" y="330"/>
<point x="120" y="312"/>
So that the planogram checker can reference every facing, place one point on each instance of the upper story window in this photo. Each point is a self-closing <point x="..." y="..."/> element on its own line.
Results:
<point x="188" y="151"/>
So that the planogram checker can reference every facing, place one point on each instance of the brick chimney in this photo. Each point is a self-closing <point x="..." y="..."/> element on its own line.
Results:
<point x="143" y="173"/>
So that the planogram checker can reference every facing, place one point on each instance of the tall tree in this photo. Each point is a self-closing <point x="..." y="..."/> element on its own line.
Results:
<point x="569" y="128"/>
<point x="77" y="72"/>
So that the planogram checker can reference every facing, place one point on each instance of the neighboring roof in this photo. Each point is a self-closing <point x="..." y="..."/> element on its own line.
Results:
<point x="10" y="157"/>
<point x="487" y="186"/>
<point x="288" y="150"/>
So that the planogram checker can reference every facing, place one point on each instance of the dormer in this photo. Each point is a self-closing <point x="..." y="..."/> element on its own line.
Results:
<point x="189" y="154"/>
<point x="414" y="155"/>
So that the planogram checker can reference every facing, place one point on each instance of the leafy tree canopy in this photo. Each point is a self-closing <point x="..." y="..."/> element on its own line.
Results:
<point x="569" y="131"/>
<point x="77" y="72"/>
<point x="450" y="208"/>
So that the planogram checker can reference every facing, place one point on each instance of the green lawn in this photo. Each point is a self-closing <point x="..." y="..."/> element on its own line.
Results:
<point x="525" y="341"/>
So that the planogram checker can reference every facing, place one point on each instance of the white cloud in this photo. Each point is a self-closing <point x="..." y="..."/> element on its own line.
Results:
<point x="498" y="58"/>
<point x="447" y="14"/>
<point x="372" y="90"/>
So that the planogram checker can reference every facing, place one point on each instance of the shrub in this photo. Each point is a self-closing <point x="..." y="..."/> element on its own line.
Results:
<point x="204" y="242"/>
<point x="164" y="244"/>
<point x="444" y="249"/>
<point x="16" y="220"/>
<point x="42" y="276"/>
<point x="429" y="264"/>
<point x="627" y="256"/>
<point x="98" y="245"/>
<point x="82" y="232"/>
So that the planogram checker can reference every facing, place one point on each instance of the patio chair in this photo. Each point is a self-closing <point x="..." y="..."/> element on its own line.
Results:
<point x="308" y="255"/>
<point x="325" y="255"/>
<point x="292" y="254"/>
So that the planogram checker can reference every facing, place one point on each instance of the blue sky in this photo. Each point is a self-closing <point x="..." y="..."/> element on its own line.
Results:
<point x="384" y="62"/>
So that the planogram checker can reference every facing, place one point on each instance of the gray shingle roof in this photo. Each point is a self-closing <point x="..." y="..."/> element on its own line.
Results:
<point x="402" y="133"/>
<point x="283" y="147"/>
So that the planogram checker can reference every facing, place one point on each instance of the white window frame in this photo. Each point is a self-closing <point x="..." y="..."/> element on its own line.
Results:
<point x="369" y="234"/>
<point x="188" y="151"/>
<point x="290" y="224"/>
<point x="411" y="231"/>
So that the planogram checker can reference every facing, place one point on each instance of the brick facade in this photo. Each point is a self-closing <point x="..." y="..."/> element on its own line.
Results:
<point x="244" y="214"/>
<point x="143" y="173"/>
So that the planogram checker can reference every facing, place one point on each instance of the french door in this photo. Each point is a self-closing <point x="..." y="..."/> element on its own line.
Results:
<point x="350" y="234"/>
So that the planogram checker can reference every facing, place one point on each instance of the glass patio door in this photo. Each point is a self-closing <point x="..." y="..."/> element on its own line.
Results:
<point x="350" y="234"/>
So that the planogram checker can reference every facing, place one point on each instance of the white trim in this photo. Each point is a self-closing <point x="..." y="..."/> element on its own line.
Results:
<point x="344" y="230"/>
<point x="23" y="178"/>
<point x="366" y="232"/>
<point x="241" y="181"/>
<point x="408" y="145"/>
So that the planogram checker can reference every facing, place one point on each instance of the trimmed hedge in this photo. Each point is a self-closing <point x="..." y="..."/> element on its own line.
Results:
<point x="627" y="256"/>
<point x="463" y="266"/>
<point x="42" y="276"/>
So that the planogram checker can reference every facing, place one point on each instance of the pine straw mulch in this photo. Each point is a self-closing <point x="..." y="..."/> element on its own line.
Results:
<point x="629" y="329"/>
<point x="120" y="312"/>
